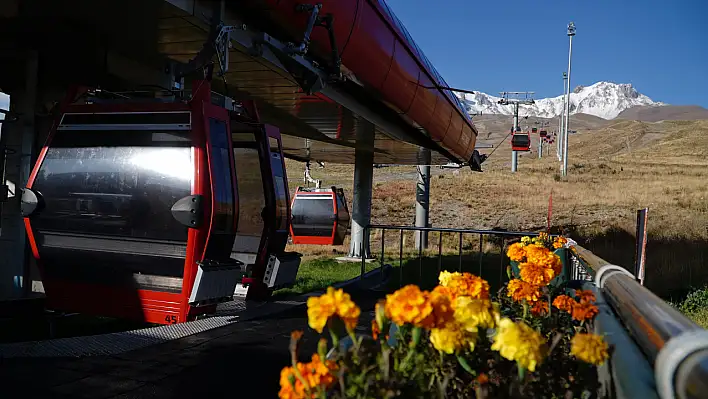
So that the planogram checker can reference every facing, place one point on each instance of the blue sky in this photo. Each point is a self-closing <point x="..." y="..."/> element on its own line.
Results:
<point x="661" y="47"/>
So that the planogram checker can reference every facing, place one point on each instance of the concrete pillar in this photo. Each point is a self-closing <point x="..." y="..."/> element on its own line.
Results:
<point x="422" y="198"/>
<point x="363" y="184"/>
<point x="19" y="139"/>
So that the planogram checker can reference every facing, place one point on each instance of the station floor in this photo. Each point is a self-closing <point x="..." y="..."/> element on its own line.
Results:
<point x="241" y="360"/>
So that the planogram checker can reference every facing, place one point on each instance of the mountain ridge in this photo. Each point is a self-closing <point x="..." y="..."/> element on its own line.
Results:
<point x="603" y="99"/>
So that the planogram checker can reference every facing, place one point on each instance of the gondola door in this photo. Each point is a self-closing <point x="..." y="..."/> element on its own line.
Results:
<point x="213" y="272"/>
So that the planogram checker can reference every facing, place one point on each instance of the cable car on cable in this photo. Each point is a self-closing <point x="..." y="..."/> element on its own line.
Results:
<point x="520" y="141"/>
<point x="534" y="130"/>
<point x="319" y="216"/>
<point x="543" y="133"/>
<point x="157" y="208"/>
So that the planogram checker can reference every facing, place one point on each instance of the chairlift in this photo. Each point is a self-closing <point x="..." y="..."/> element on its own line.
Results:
<point x="319" y="216"/>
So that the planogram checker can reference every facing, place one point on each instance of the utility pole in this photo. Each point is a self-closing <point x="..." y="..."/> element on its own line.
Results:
<point x="571" y="33"/>
<point x="542" y="125"/>
<point x="561" y="116"/>
<point x="516" y="98"/>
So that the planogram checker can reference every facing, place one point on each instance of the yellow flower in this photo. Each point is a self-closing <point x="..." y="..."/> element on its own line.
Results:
<point x="519" y="342"/>
<point x="464" y="284"/>
<point x="410" y="305"/>
<point x="519" y="290"/>
<point x="335" y="302"/>
<point x="589" y="348"/>
<point x="536" y="274"/>
<point x="525" y="240"/>
<point x="516" y="251"/>
<point x="473" y="314"/>
<point x="451" y="338"/>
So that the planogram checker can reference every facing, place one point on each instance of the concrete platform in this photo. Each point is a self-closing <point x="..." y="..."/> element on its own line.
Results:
<point x="240" y="360"/>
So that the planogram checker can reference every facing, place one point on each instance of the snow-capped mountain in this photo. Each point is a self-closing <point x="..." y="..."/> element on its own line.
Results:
<point x="603" y="99"/>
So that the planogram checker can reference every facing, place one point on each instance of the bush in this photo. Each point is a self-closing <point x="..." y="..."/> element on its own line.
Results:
<point x="695" y="301"/>
<point x="455" y="341"/>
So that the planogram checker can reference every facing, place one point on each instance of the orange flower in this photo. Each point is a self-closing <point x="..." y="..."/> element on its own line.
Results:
<point x="443" y="311"/>
<point x="564" y="303"/>
<point x="316" y="374"/>
<point x="519" y="290"/>
<point x="585" y="296"/>
<point x="539" y="308"/>
<point x="464" y="284"/>
<point x="559" y="242"/>
<point x="375" y="329"/>
<point x="543" y="257"/>
<point x="536" y="274"/>
<point x="410" y="305"/>
<point x="516" y="252"/>
<point x="584" y="311"/>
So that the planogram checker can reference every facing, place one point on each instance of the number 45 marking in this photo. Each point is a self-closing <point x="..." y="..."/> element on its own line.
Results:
<point x="171" y="319"/>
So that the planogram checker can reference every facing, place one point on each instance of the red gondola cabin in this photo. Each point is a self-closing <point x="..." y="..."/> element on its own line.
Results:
<point x="132" y="209"/>
<point x="520" y="141"/>
<point x="319" y="216"/>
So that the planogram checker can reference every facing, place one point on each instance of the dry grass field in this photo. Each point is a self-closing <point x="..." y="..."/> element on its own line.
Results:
<point x="615" y="168"/>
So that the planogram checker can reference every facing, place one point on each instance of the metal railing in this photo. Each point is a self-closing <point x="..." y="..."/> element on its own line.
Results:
<point x="659" y="351"/>
<point x="675" y="346"/>
<point x="497" y="238"/>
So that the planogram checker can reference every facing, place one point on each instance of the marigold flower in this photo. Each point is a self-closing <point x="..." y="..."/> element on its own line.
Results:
<point x="564" y="303"/>
<point x="585" y="296"/>
<point x="451" y="338"/>
<point x="519" y="290"/>
<point x="443" y="310"/>
<point x="375" y="329"/>
<point x="539" y="308"/>
<point x="559" y="242"/>
<point x="335" y="302"/>
<point x="544" y="258"/>
<point x="519" y="342"/>
<point x="464" y="284"/>
<point x="473" y="314"/>
<point x="410" y="305"/>
<point x="315" y="374"/>
<point x="589" y="348"/>
<point x="516" y="251"/>
<point x="536" y="274"/>
<point x="584" y="311"/>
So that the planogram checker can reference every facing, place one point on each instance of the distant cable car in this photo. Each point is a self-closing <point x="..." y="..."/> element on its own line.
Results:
<point x="520" y="141"/>
<point x="319" y="216"/>
<point x="139" y="208"/>
<point x="534" y="130"/>
<point x="543" y="133"/>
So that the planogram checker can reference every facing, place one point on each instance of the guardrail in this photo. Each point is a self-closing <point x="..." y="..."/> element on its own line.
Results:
<point x="659" y="352"/>
<point x="502" y="238"/>
<point x="675" y="346"/>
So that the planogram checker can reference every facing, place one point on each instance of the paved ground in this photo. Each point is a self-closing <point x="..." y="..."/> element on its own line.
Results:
<point x="242" y="360"/>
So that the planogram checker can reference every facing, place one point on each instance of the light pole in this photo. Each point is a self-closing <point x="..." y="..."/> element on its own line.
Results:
<point x="561" y="116"/>
<point x="571" y="33"/>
